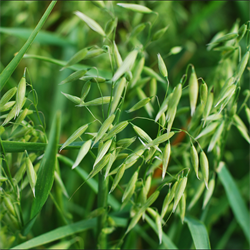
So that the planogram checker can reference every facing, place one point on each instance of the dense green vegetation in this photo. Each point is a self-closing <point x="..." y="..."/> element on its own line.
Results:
<point x="148" y="103"/>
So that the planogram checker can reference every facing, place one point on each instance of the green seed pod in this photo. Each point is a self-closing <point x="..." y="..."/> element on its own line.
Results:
<point x="159" y="33"/>
<point x="142" y="134"/>
<point x="74" y="76"/>
<point x="148" y="71"/>
<point x="100" y="165"/>
<point x="209" y="192"/>
<point x="162" y="66"/>
<point x="80" y="55"/>
<point x="226" y="38"/>
<point x="96" y="79"/>
<point x="138" y="215"/>
<point x="117" y="95"/>
<point x="85" y="90"/>
<point x="110" y="163"/>
<point x="211" y="45"/>
<point x="117" y="55"/>
<point x="91" y="23"/>
<point x="242" y="32"/>
<point x="175" y="50"/>
<point x="204" y="167"/>
<point x="197" y="195"/>
<point x="130" y="186"/>
<point x="118" y="177"/>
<point x="103" y="150"/>
<point x="74" y="136"/>
<point x="163" y="107"/>
<point x="148" y="184"/>
<point x="193" y="91"/>
<point x="182" y="207"/>
<point x="148" y="107"/>
<point x="203" y="93"/>
<point x="137" y="30"/>
<point x="110" y="25"/>
<point x="162" y="120"/>
<point x="82" y="152"/>
<point x="179" y="191"/>
<point x="165" y="158"/>
<point x="94" y="53"/>
<point x="12" y="113"/>
<point x="7" y="96"/>
<point x="165" y="205"/>
<point x="210" y="128"/>
<point x="228" y="93"/>
<point x="139" y="104"/>
<point x="20" y="119"/>
<point x="7" y="106"/>
<point x="95" y="102"/>
<point x="153" y="89"/>
<point x="137" y="72"/>
<point x="31" y="173"/>
<point x="225" y="48"/>
<point x="60" y="184"/>
<point x="216" y="137"/>
<point x="208" y="106"/>
<point x="128" y="75"/>
<point x="135" y="7"/>
<point x="9" y="205"/>
<point x="175" y="98"/>
<point x="116" y="129"/>
<point x="194" y="160"/>
<point x="104" y="128"/>
<point x="73" y="98"/>
<point x="242" y="65"/>
<point x="126" y="65"/>
<point x="247" y="110"/>
<point x="170" y="118"/>
<point x="121" y="156"/>
<point x="160" y="139"/>
<point x="20" y="95"/>
<point x="125" y="143"/>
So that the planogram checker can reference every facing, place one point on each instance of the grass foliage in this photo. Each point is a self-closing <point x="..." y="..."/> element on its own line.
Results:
<point x="148" y="101"/>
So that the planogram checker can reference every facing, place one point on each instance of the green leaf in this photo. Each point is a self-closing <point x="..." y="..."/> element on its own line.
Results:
<point x="45" y="176"/>
<point x="9" y="69"/>
<point x="58" y="233"/>
<point x="43" y="37"/>
<point x="198" y="232"/>
<point x="235" y="199"/>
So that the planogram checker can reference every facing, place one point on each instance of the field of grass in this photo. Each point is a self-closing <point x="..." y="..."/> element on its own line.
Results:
<point x="124" y="125"/>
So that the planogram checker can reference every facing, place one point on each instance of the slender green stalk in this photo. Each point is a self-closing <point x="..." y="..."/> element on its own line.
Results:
<point x="102" y="202"/>
<point x="9" y="69"/>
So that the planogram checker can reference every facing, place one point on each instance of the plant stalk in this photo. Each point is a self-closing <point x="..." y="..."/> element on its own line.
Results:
<point x="102" y="202"/>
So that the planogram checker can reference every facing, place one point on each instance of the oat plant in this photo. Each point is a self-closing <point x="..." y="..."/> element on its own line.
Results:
<point x="139" y="157"/>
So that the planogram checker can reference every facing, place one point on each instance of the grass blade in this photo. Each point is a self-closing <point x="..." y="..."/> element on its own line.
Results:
<point x="165" y="239"/>
<point x="235" y="199"/>
<point x="198" y="232"/>
<point x="43" y="37"/>
<point x="45" y="176"/>
<point x="58" y="233"/>
<point x="9" y="69"/>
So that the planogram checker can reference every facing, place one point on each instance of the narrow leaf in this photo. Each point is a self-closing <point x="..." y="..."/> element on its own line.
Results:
<point x="235" y="199"/>
<point x="198" y="232"/>
<point x="45" y="176"/>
